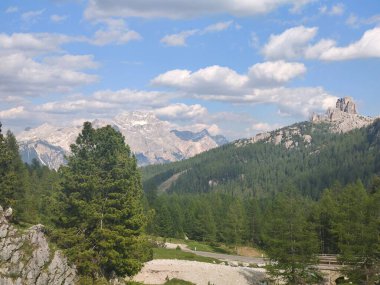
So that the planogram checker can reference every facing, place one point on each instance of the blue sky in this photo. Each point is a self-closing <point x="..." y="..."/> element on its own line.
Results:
<point x="235" y="67"/>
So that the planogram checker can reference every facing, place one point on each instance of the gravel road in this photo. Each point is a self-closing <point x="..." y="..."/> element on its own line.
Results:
<point x="200" y="273"/>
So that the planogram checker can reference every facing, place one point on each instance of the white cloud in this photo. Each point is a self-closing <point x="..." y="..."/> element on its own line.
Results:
<point x="262" y="84"/>
<point x="290" y="44"/>
<point x="218" y="27"/>
<point x="116" y="32"/>
<point x="58" y="18"/>
<point x="31" y="16"/>
<point x="296" y="43"/>
<point x="21" y="75"/>
<point x="32" y="44"/>
<point x="69" y="61"/>
<point x="368" y="46"/>
<point x="12" y="113"/>
<point x="335" y="10"/>
<point x="30" y="66"/>
<point x="219" y="80"/>
<point x="263" y="127"/>
<point x="180" y="9"/>
<point x="75" y="106"/>
<point x="180" y="111"/>
<point x="180" y="38"/>
<point x="11" y="9"/>
<point x="355" y="21"/>
<point x="136" y="98"/>
<point x="275" y="72"/>
<point x="213" y="79"/>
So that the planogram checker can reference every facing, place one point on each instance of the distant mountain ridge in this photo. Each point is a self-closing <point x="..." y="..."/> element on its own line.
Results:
<point x="152" y="140"/>
<point x="339" y="146"/>
<point x="341" y="119"/>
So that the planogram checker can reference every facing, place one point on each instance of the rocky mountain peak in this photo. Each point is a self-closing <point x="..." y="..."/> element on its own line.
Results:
<point x="346" y="105"/>
<point x="344" y="117"/>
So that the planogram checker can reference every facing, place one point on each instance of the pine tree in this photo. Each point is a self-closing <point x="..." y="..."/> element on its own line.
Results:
<point x="358" y="228"/>
<point x="291" y="242"/>
<point x="12" y="174"/>
<point x="103" y="221"/>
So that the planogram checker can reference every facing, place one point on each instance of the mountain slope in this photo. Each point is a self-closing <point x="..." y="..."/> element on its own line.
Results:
<point x="152" y="141"/>
<point x="309" y="155"/>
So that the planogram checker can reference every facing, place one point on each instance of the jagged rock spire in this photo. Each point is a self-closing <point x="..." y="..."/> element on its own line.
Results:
<point x="346" y="105"/>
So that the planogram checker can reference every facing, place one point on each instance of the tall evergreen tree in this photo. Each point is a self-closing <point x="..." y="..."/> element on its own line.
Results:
<point x="12" y="174"/>
<point x="103" y="221"/>
<point x="291" y="242"/>
<point x="358" y="229"/>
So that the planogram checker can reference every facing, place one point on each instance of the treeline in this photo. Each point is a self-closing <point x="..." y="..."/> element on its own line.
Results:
<point x="290" y="227"/>
<point x="261" y="169"/>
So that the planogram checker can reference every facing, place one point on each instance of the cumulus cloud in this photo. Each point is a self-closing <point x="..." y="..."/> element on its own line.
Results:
<point x="180" y="111"/>
<point x="264" y="83"/>
<point x="213" y="79"/>
<point x="32" y="44"/>
<point x="115" y="32"/>
<point x="180" y="38"/>
<point x="180" y="9"/>
<point x="12" y="113"/>
<point x="31" y="66"/>
<point x="275" y="72"/>
<point x="290" y="44"/>
<point x="219" y="80"/>
<point x="297" y="43"/>
<point x="24" y="76"/>
<point x="368" y="46"/>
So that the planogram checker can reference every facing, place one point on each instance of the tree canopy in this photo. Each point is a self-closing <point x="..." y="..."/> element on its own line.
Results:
<point x="102" y="221"/>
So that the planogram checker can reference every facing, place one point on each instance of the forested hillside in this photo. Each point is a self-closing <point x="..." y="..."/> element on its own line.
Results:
<point x="261" y="169"/>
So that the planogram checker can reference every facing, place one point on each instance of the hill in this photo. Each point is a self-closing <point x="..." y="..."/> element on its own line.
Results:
<point x="340" y="146"/>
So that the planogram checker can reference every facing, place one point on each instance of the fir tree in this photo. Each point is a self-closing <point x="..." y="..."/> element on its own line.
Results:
<point x="102" y="221"/>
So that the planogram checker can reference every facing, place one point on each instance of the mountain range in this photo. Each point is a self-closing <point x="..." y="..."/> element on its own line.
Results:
<point x="338" y="146"/>
<point x="151" y="140"/>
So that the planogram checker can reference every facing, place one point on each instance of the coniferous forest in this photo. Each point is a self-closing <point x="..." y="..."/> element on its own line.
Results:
<point x="294" y="204"/>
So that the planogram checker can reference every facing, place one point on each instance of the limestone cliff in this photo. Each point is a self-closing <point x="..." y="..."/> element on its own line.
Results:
<point x="25" y="257"/>
<point x="344" y="117"/>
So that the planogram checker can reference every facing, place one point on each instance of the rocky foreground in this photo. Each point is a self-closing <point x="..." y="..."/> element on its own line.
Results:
<point x="25" y="257"/>
<point x="200" y="273"/>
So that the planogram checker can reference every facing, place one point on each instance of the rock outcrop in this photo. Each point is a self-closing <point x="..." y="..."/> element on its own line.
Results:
<point x="25" y="257"/>
<point x="344" y="117"/>
<point x="341" y="119"/>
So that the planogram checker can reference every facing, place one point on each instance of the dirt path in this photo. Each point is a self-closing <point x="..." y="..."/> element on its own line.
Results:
<point x="220" y="256"/>
<point x="200" y="273"/>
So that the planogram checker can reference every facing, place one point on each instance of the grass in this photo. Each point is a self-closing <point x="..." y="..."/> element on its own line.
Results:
<point x="176" y="281"/>
<point x="163" y="253"/>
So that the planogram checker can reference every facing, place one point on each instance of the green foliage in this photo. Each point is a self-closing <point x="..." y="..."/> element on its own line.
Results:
<point x="260" y="169"/>
<point x="291" y="241"/>
<point x="357" y="226"/>
<point x="176" y="281"/>
<point x="163" y="253"/>
<point x="102" y="220"/>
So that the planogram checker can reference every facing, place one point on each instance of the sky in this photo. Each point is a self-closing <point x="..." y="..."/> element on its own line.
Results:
<point x="234" y="67"/>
